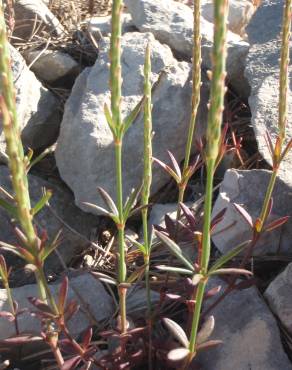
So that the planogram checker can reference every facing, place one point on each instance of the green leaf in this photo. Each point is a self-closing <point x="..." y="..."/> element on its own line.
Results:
<point x="228" y="256"/>
<point x="175" y="249"/>
<point x="131" y="201"/>
<point x="109" y="119"/>
<point x="177" y="331"/>
<point x="51" y="246"/>
<point x="177" y="270"/>
<point x="140" y="246"/>
<point x="40" y="157"/>
<point x="12" y="210"/>
<point x="128" y="121"/>
<point x="42" y="202"/>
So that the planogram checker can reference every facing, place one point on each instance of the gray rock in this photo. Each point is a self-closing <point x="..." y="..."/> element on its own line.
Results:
<point x="51" y="65"/>
<point x="34" y="15"/>
<point x="251" y="338"/>
<point x="85" y="148"/>
<point x="63" y="206"/>
<point x="279" y="297"/>
<point x="96" y="305"/>
<point x="101" y="26"/>
<point x="158" y="212"/>
<point x="37" y="108"/>
<point x="240" y="13"/>
<point x="172" y="24"/>
<point x="247" y="188"/>
<point x="262" y="72"/>
<point x="137" y="301"/>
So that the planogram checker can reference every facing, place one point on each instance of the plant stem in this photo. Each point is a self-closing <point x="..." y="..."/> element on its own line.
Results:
<point x="116" y="97"/>
<point x="196" y="87"/>
<point x="212" y="150"/>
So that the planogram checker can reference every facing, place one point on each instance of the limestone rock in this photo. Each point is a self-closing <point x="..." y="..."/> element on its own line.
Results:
<point x="96" y="305"/>
<point x="279" y="297"/>
<point x="251" y="338"/>
<point x="85" y="148"/>
<point x="262" y="72"/>
<point x="247" y="188"/>
<point x="172" y="23"/>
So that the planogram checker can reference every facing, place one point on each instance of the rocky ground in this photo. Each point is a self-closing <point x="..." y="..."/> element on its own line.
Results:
<point x="60" y="67"/>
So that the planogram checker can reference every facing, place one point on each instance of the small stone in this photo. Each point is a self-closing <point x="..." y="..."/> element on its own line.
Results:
<point x="52" y="65"/>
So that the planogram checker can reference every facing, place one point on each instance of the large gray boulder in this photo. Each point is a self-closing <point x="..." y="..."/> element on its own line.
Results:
<point x="279" y="297"/>
<point x="85" y="148"/>
<point x="64" y="216"/>
<point x="262" y="72"/>
<point x="37" y="108"/>
<point x="172" y="23"/>
<point x="96" y="305"/>
<point x="251" y="338"/>
<point x="247" y="188"/>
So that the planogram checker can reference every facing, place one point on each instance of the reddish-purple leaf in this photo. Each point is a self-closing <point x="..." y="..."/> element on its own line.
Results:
<point x="67" y="346"/>
<point x="277" y="223"/>
<point x="188" y="215"/>
<point x="209" y="344"/>
<point x="86" y="337"/>
<point x="170" y="225"/>
<point x="21" y="339"/>
<point x="247" y="217"/>
<point x="212" y="292"/>
<point x="71" y="309"/>
<point x="217" y="219"/>
<point x="168" y="169"/>
<point x="40" y="305"/>
<point x="72" y="363"/>
<point x="269" y="143"/>
<point x="63" y="292"/>
<point x="286" y="150"/>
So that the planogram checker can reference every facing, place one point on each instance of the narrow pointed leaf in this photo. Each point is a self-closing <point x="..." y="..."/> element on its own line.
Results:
<point x="231" y="271"/>
<point x="86" y="337"/>
<point x="42" y="202"/>
<point x="129" y="120"/>
<point x="140" y="246"/>
<point x="228" y="256"/>
<point x="109" y="119"/>
<point x="177" y="270"/>
<point x="177" y="331"/>
<point x="217" y="219"/>
<point x="286" y="150"/>
<point x="72" y="363"/>
<point x="277" y="223"/>
<point x="101" y="210"/>
<point x="10" y="248"/>
<point x="104" y="277"/>
<point x="209" y="344"/>
<point x="189" y="215"/>
<point x="63" y="292"/>
<point x="108" y="201"/>
<point x="175" y="249"/>
<point x="131" y="201"/>
<point x="175" y="164"/>
<point x="206" y="330"/>
<point x="49" y="248"/>
<point x="244" y="214"/>
<point x="168" y="169"/>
